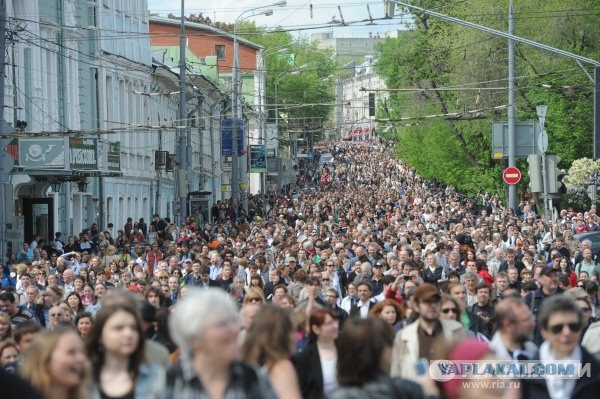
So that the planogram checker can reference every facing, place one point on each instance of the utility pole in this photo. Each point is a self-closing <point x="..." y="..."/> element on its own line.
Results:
<point x="181" y="177"/>
<point x="543" y="147"/>
<point x="6" y="161"/>
<point x="235" y="185"/>
<point x="512" y="161"/>
<point x="596" y="94"/>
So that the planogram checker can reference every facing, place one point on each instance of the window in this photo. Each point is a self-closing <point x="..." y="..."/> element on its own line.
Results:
<point x="220" y="51"/>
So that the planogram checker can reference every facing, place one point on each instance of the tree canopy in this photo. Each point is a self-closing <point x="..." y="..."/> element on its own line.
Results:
<point x="465" y="71"/>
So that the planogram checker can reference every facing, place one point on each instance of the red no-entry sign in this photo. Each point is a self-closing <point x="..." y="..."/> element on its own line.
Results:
<point x="511" y="175"/>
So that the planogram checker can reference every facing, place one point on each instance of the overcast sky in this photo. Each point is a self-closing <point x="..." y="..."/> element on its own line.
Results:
<point x="296" y="15"/>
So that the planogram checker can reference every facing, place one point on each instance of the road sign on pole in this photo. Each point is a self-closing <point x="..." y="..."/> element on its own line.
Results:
<point x="511" y="175"/>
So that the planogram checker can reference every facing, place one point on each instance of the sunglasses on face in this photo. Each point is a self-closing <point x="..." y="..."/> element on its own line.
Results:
<point x="558" y="328"/>
<point x="254" y="300"/>
<point x="450" y="310"/>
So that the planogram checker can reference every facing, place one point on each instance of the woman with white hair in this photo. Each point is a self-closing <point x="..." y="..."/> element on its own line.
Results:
<point x="205" y="327"/>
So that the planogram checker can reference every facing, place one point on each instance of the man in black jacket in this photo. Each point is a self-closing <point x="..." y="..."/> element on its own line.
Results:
<point x="549" y="282"/>
<point x="511" y="261"/>
<point x="561" y="322"/>
<point x="483" y="308"/>
<point x="331" y="297"/>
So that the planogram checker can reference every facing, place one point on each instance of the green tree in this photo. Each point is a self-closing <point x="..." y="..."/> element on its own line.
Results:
<point x="303" y="98"/>
<point x="436" y="54"/>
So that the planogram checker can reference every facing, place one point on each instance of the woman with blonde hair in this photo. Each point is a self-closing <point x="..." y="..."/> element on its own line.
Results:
<point x="270" y="342"/>
<point x="254" y="295"/>
<point x="56" y="365"/>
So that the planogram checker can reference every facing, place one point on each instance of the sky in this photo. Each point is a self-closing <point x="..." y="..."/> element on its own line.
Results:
<point x="295" y="15"/>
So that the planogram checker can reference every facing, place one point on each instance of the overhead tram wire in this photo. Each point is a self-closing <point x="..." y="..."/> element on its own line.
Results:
<point x="539" y="14"/>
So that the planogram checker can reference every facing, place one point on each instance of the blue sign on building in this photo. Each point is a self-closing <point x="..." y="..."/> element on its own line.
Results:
<point x="227" y="136"/>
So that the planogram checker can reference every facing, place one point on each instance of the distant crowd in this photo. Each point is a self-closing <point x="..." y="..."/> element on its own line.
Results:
<point x="347" y="285"/>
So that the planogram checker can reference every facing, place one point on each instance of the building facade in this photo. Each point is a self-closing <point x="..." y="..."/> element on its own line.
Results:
<point x="357" y="98"/>
<point x="92" y="108"/>
<point x="210" y="51"/>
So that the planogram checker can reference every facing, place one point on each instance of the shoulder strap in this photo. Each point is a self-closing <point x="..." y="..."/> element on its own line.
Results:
<point x="532" y="304"/>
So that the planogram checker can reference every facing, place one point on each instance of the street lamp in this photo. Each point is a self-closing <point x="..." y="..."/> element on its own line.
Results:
<point x="297" y="71"/>
<point x="261" y="105"/>
<point x="236" y="104"/>
<point x="542" y="140"/>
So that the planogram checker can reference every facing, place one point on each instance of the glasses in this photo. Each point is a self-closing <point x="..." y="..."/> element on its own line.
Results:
<point x="325" y="279"/>
<point x="251" y="300"/>
<point x="450" y="310"/>
<point x="558" y="328"/>
<point x="329" y="264"/>
<point x="163" y="278"/>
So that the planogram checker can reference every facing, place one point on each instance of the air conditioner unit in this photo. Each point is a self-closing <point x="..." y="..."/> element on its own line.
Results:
<point x="171" y="162"/>
<point x="160" y="159"/>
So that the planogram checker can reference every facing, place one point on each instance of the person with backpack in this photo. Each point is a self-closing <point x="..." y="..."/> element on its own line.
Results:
<point x="588" y="265"/>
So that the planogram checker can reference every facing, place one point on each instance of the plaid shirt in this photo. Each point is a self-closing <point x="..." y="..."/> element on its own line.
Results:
<point x="245" y="382"/>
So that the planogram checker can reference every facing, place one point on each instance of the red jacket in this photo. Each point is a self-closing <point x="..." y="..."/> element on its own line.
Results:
<point x="152" y="259"/>
<point x="487" y="278"/>
<point x="392" y="293"/>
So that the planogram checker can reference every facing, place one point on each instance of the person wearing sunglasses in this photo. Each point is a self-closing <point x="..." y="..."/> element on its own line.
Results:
<point x="561" y="322"/>
<point x="450" y="308"/>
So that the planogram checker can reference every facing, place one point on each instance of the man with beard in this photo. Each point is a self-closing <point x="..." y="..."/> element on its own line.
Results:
<point x="514" y="325"/>
<point x="548" y="280"/>
<point x="418" y="339"/>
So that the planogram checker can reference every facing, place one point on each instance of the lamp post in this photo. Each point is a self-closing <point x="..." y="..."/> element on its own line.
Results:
<point x="236" y="107"/>
<point x="262" y="74"/>
<point x="297" y="71"/>
<point x="542" y="147"/>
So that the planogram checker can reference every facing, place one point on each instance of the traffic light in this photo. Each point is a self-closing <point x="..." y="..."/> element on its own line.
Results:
<point x="555" y="175"/>
<point x="535" y="173"/>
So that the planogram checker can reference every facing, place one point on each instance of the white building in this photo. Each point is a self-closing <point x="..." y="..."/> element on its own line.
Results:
<point x="97" y="108"/>
<point x="354" y="110"/>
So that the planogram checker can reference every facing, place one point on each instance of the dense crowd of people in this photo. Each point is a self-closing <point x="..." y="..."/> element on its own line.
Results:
<point x="345" y="286"/>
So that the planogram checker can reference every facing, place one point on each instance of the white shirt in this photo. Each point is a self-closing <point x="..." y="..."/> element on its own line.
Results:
<point x="559" y="388"/>
<point x="364" y="309"/>
<point x="329" y="375"/>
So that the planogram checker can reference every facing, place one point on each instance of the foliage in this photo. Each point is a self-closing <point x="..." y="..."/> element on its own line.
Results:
<point x="576" y="198"/>
<point x="580" y="171"/>
<point x="303" y="98"/>
<point x="201" y="19"/>
<point x="435" y="54"/>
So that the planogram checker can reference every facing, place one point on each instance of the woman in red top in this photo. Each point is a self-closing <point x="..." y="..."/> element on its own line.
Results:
<point x="566" y="269"/>
<point x="482" y="271"/>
